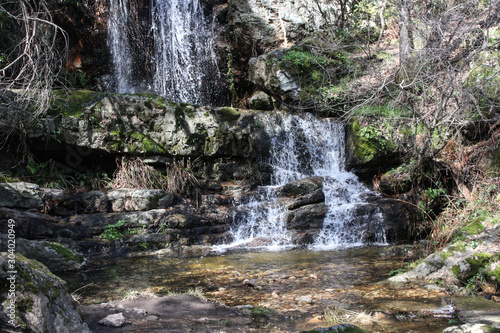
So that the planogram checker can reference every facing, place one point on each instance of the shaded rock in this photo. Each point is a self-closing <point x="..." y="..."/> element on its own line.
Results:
<point x="260" y="101"/>
<point x="476" y="311"/>
<point x="43" y="303"/>
<point x="113" y="320"/>
<point x="342" y="328"/>
<point x="21" y="195"/>
<point x="55" y="256"/>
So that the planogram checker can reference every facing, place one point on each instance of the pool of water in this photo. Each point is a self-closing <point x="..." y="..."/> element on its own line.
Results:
<point x="304" y="287"/>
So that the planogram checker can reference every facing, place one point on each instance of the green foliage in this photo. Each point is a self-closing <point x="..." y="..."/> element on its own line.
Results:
<point x="396" y="271"/>
<point x="114" y="231"/>
<point x="33" y="167"/>
<point x="262" y="311"/>
<point x="385" y="110"/>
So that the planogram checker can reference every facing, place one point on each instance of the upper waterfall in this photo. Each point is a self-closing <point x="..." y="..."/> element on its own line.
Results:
<point x="182" y="61"/>
<point x="119" y="46"/>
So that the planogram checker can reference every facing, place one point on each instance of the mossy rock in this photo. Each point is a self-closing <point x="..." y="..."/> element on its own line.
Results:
<point x="73" y="103"/>
<point x="475" y="226"/>
<point x="477" y="262"/>
<point x="493" y="275"/>
<point x="369" y="143"/>
<point x="228" y="113"/>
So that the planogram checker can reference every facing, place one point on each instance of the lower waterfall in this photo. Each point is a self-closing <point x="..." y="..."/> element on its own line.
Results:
<point x="304" y="146"/>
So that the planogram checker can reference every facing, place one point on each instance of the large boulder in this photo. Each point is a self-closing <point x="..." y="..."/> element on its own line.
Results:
<point x="56" y="256"/>
<point x="35" y="300"/>
<point x="460" y="261"/>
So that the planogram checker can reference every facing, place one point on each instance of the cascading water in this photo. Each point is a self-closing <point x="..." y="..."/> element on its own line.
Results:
<point x="178" y="58"/>
<point x="119" y="46"/>
<point x="184" y="51"/>
<point x="304" y="147"/>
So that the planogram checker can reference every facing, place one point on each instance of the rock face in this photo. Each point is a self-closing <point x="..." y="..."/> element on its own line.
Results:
<point x="43" y="303"/>
<point x="108" y="222"/>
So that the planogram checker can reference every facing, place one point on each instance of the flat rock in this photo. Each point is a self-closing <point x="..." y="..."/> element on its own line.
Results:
<point x="113" y="320"/>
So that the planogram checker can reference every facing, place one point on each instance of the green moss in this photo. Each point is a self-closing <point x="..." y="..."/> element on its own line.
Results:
<point x="72" y="103"/>
<point x="475" y="226"/>
<point x="456" y="270"/>
<point x="228" y="113"/>
<point x="494" y="275"/>
<point x="478" y="261"/>
<point x="369" y="142"/>
<point x="64" y="251"/>
<point x="459" y="246"/>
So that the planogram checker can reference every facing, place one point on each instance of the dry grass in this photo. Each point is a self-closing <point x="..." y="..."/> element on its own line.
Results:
<point x="137" y="174"/>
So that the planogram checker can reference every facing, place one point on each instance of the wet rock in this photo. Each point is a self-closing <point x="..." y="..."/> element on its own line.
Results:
<point x="43" y="303"/>
<point x="113" y="320"/>
<point x="307" y="217"/>
<point x="304" y="192"/>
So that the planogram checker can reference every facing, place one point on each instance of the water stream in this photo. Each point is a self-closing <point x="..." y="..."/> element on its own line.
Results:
<point x="304" y="146"/>
<point x="351" y="278"/>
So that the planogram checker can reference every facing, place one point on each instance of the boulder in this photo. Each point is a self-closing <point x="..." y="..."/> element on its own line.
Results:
<point x="260" y="101"/>
<point x="303" y="192"/>
<point x="458" y="262"/>
<point x="54" y="255"/>
<point x="42" y="302"/>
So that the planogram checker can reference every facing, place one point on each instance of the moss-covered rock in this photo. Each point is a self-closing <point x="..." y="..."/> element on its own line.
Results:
<point x="54" y="255"/>
<point x="42" y="302"/>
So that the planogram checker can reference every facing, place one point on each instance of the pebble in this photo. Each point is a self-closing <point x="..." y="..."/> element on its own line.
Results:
<point x="305" y="299"/>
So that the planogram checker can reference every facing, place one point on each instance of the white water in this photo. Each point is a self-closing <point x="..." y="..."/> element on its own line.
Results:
<point x="185" y="64"/>
<point x="304" y="147"/>
<point x="119" y="46"/>
<point x="184" y="50"/>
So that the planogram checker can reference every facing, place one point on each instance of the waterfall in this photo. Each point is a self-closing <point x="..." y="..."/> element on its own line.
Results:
<point x="119" y="46"/>
<point x="179" y="60"/>
<point x="184" y="51"/>
<point x="304" y="147"/>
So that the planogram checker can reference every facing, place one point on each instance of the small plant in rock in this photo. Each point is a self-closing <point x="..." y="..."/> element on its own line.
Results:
<point x="113" y="231"/>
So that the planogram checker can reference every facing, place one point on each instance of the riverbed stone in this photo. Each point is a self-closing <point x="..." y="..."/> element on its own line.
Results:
<point x="113" y="320"/>
<point x="43" y="303"/>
